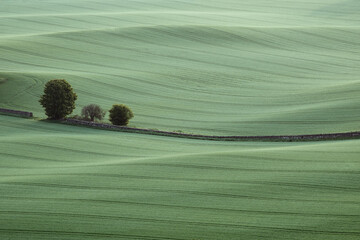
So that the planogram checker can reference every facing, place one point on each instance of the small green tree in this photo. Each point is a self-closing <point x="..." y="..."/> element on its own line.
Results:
<point x="58" y="99"/>
<point x="120" y="114"/>
<point x="92" y="111"/>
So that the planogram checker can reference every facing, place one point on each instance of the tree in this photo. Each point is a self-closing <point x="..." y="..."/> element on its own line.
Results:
<point x="120" y="114"/>
<point x="58" y="99"/>
<point x="92" y="111"/>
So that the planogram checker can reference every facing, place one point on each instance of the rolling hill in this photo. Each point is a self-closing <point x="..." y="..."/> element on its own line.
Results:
<point x="65" y="182"/>
<point x="229" y="68"/>
<point x="204" y="67"/>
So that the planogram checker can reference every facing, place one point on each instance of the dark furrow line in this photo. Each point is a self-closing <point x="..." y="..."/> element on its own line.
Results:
<point x="237" y="67"/>
<point x="18" y="26"/>
<point x="112" y="75"/>
<point x="24" y="18"/>
<point x="23" y="63"/>
<point x="43" y="128"/>
<point x="244" y="6"/>
<point x="86" y="73"/>
<point x="207" y="7"/>
<point x="82" y="62"/>
<point x="87" y="234"/>
<point x="187" y="59"/>
<point x="145" y="204"/>
<point x="87" y="92"/>
<point x="270" y="6"/>
<point x="204" y="180"/>
<point x="102" y="3"/>
<point x="92" y="41"/>
<point x="225" y="54"/>
<point x="68" y="60"/>
<point x="107" y="144"/>
<point x="154" y="220"/>
<point x="38" y="65"/>
<point x="241" y="169"/>
<point x="108" y="17"/>
<point x="310" y="161"/>
<point x="203" y="110"/>
<point x="302" y="43"/>
<point x="50" y="24"/>
<point x="81" y="7"/>
<point x="163" y="107"/>
<point x="226" y="47"/>
<point x="148" y="82"/>
<point x="308" y="231"/>
<point x="259" y="43"/>
<point x="230" y="19"/>
<point x="147" y="62"/>
<point x="346" y="31"/>
<point x="249" y="6"/>
<point x="172" y="191"/>
<point x="217" y="63"/>
<point x="175" y="206"/>
<point x="222" y="54"/>
<point x="209" y="111"/>
<point x="251" y="40"/>
<point x="277" y="55"/>
<point x="141" y="92"/>
<point x="74" y="150"/>
<point x="26" y="127"/>
<point x="23" y="91"/>
<point x="30" y="7"/>
<point x="342" y="40"/>
<point x="27" y="157"/>
<point x="79" y="20"/>
<point x="116" y="19"/>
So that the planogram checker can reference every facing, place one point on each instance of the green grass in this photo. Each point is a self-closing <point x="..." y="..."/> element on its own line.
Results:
<point x="65" y="182"/>
<point x="204" y="67"/>
<point x="229" y="68"/>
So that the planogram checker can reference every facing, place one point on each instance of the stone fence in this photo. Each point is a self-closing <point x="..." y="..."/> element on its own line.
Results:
<point x="284" y="138"/>
<point x="15" y="112"/>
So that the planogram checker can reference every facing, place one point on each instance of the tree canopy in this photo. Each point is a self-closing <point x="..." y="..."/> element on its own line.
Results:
<point x="58" y="99"/>
<point x="120" y="114"/>
<point x="92" y="112"/>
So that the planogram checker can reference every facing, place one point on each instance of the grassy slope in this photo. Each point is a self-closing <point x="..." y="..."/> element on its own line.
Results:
<point x="64" y="182"/>
<point x="229" y="68"/>
<point x="215" y="67"/>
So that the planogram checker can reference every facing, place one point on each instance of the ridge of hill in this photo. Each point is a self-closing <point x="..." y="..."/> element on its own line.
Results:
<point x="59" y="181"/>
<point x="216" y="69"/>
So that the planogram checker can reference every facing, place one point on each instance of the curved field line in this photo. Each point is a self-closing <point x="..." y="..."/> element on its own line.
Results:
<point x="173" y="191"/>
<point x="246" y="182"/>
<point x="179" y="206"/>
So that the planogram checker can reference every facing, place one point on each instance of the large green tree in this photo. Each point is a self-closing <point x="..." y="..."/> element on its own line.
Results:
<point x="120" y="114"/>
<point x="58" y="99"/>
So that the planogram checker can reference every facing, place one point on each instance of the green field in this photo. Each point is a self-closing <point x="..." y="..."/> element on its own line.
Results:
<point x="66" y="182"/>
<point x="229" y="68"/>
<point x="205" y="67"/>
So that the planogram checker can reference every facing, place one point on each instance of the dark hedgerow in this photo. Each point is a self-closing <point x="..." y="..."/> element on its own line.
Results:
<point x="58" y="99"/>
<point x="120" y="114"/>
